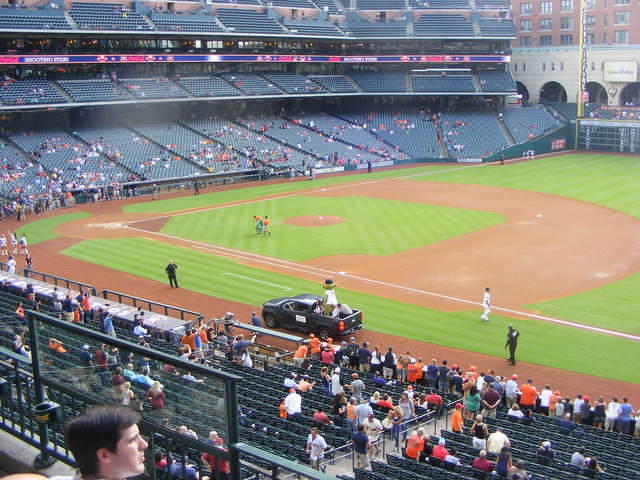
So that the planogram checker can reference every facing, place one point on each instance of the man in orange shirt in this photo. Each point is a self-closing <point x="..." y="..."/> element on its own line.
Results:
<point x="301" y="354"/>
<point x="528" y="397"/>
<point x="415" y="444"/>
<point x="314" y="346"/>
<point x="412" y="372"/>
<point x="265" y="224"/>
<point x="420" y="373"/>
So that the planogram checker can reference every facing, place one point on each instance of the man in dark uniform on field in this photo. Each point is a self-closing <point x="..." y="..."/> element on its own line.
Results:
<point x="171" y="273"/>
<point x="512" y="343"/>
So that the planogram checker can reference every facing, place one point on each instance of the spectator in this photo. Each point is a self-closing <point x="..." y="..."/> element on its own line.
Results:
<point x="472" y="403"/>
<point x="592" y="465"/>
<point x="305" y="385"/>
<point x="480" y="432"/>
<point x="503" y="464"/>
<point x="415" y="444"/>
<point x="481" y="463"/>
<point x="490" y="401"/>
<point x="361" y="447"/>
<point x="457" y="423"/>
<point x="611" y="415"/>
<point x="357" y="386"/>
<point x="293" y="404"/>
<point x="577" y="459"/>
<point x="528" y="397"/>
<point x="439" y="451"/>
<point x="517" y="471"/>
<point x="566" y="424"/>
<point x="290" y="381"/>
<point x="339" y="408"/>
<point x="320" y="417"/>
<point x="515" y="412"/>
<point x="336" y="384"/>
<point x="155" y="396"/>
<point x="496" y="441"/>
<point x="316" y="446"/>
<point x="545" y="399"/>
<point x="545" y="453"/>
<point x="451" y="458"/>
<point x="373" y="428"/>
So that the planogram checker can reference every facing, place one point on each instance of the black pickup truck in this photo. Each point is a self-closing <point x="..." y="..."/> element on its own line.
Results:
<point x="296" y="313"/>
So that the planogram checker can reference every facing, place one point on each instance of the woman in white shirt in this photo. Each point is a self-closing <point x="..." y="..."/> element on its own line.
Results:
<point x="611" y="415"/>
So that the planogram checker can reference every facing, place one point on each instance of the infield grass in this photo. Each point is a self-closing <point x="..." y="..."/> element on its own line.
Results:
<point x="43" y="229"/>
<point x="543" y="343"/>
<point x="372" y="226"/>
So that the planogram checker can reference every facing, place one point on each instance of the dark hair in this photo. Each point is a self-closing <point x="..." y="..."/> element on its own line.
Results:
<point x="96" y="428"/>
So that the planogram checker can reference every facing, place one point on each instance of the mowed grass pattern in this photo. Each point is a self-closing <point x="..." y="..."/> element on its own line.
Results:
<point x="611" y="181"/>
<point x="542" y="343"/>
<point x="372" y="226"/>
<point x="43" y="229"/>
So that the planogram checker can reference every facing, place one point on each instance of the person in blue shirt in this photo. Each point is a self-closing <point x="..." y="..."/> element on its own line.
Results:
<point x="177" y="470"/>
<point x="361" y="446"/>
<point x="255" y="320"/>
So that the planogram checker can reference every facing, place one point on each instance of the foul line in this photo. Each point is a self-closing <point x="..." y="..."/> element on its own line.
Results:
<point x="254" y="280"/>
<point x="318" y="190"/>
<point x="287" y="265"/>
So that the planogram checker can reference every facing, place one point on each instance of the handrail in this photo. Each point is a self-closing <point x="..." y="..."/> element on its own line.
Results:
<point x="148" y="304"/>
<point x="68" y="283"/>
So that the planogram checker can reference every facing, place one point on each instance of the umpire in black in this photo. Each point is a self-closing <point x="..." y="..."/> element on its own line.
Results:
<point x="171" y="273"/>
<point x="512" y="343"/>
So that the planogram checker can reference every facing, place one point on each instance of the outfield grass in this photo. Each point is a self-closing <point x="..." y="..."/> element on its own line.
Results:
<point x="43" y="229"/>
<point x="249" y="193"/>
<point x="373" y="226"/>
<point x="542" y="343"/>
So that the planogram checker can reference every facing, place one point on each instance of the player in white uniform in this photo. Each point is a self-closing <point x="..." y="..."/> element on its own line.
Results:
<point x="3" y="245"/>
<point x="23" y="244"/>
<point x="486" y="304"/>
<point x="14" y="243"/>
<point x="11" y="265"/>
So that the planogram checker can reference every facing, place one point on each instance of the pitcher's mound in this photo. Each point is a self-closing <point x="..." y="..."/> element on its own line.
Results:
<point x="314" y="220"/>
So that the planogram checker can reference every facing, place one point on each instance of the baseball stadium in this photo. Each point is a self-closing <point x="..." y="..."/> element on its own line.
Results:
<point x="361" y="239"/>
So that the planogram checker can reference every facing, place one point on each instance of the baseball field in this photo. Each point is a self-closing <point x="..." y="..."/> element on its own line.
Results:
<point x="557" y="239"/>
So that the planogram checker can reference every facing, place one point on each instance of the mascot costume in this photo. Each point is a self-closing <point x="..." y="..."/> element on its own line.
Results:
<point x="258" y="224"/>
<point x="329" y="299"/>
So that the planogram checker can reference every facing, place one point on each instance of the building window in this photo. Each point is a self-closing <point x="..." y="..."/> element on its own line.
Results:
<point x="544" y="66"/>
<point x="590" y="5"/>
<point x="566" y="5"/>
<point x="525" y="41"/>
<point x="622" y="2"/>
<point x="621" y="36"/>
<point x="591" y="38"/>
<point x="605" y="20"/>
<point x="515" y="67"/>
<point x="566" y="23"/>
<point x="526" y="8"/>
<point x="524" y="67"/>
<point x="566" y="39"/>
<point x="593" y="66"/>
<point x="590" y="21"/>
<point x="546" y="7"/>
<point x="561" y="66"/>
<point x="553" y="67"/>
<point x="605" y="38"/>
<point x="546" y="40"/>
<point x="621" y="18"/>
<point x="545" y="24"/>
<point x="526" y="25"/>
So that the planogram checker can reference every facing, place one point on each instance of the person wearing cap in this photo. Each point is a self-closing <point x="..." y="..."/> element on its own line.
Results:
<point x="327" y="356"/>
<point x="440" y="451"/>
<point x="86" y="359"/>
<point x="305" y="385"/>
<point x="373" y="428"/>
<point x="511" y="390"/>
<point x="290" y="382"/>
<point x="56" y="346"/>
<point x="586" y="413"/>
<point x="315" y="346"/>
<point x="545" y="453"/>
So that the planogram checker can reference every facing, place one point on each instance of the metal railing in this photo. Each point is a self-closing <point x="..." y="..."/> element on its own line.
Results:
<point x="59" y="281"/>
<point x="152" y="306"/>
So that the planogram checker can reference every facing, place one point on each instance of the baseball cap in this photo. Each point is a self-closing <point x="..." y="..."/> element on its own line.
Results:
<point x="514" y="377"/>
<point x="546" y="444"/>
<point x="337" y="370"/>
<point x="85" y="347"/>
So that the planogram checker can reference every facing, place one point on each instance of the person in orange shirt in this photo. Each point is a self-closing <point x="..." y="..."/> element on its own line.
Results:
<point x="20" y="313"/>
<point x="457" y="423"/>
<point x="56" y="346"/>
<point x="189" y="339"/>
<point x="528" y="397"/>
<point x="420" y="374"/>
<point x="282" y="410"/>
<point x="301" y="354"/>
<point x="415" y="444"/>
<point x="315" y="346"/>
<point x="412" y="372"/>
<point x="265" y="223"/>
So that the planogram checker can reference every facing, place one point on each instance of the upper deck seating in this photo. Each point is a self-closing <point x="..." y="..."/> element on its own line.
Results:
<point x="185" y="22"/>
<point x="496" y="81"/>
<point x="29" y="91"/>
<point x="27" y="19"/>
<point x="439" y="83"/>
<point x="248" y="21"/>
<point x="106" y="16"/>
<point x="93" y="90"/>
<point x="443" y="25"/>
<point x="381" y="82"/>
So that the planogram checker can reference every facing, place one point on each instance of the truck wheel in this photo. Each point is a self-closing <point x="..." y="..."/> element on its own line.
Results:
<point x="270" y="321"/>
<point x="323" y="334"/>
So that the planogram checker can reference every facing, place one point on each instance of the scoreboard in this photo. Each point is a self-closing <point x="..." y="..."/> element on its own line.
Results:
<point x="609" y="136"/>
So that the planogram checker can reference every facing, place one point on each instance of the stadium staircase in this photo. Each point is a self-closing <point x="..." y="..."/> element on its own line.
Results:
<point x="505" y="131"/>
<point x="71" y="21"/>
<point x="62" y="91"/>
